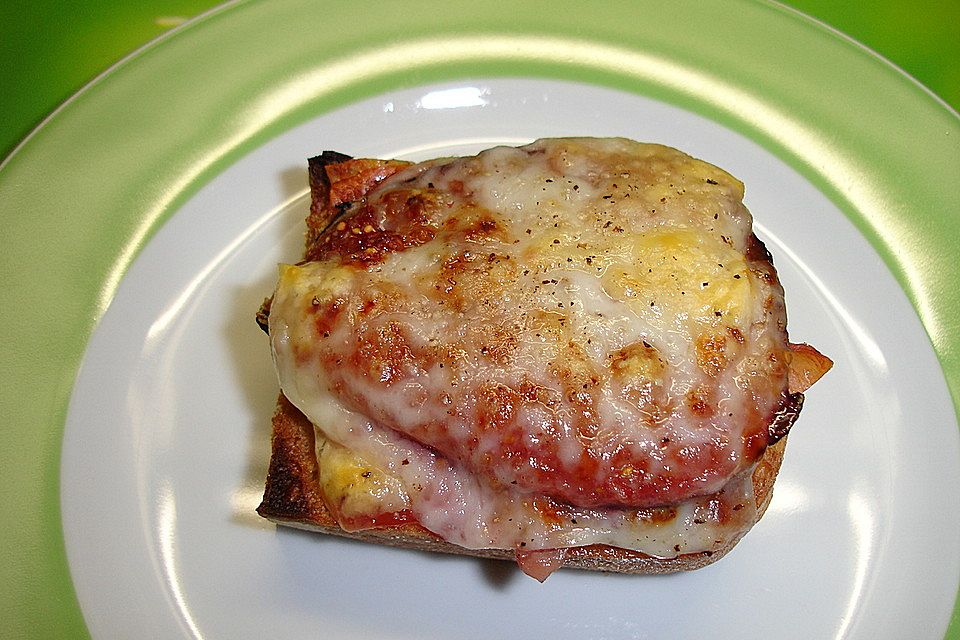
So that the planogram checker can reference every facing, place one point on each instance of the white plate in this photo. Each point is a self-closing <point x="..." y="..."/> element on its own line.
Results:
<point x="167" y="437"/>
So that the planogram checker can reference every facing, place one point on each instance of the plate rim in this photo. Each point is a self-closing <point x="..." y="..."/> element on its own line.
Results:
<point x="21" y="178"/>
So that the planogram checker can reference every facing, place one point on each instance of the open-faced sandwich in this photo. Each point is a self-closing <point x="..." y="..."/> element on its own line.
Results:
<point x="571" y="353"/>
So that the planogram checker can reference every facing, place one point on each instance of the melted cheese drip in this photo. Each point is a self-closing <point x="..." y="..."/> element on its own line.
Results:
<point x="583" y="297"/>
<point x="360" y="488"/>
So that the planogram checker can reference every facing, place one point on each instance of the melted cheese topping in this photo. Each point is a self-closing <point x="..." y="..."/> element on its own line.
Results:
<point x="574" y="342"/>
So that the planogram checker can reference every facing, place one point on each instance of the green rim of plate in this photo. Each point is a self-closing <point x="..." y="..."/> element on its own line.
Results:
<point x="90" y="186"/>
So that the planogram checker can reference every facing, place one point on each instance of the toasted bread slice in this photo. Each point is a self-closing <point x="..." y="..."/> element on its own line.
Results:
<point x="294" y="494"/>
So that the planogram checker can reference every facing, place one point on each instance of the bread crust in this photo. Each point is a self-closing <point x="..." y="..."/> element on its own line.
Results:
<point x="293" y="498"/>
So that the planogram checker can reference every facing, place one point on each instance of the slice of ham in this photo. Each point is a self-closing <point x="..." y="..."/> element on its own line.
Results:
<point x="539" y="564"/>
<point x="805" y="365"/>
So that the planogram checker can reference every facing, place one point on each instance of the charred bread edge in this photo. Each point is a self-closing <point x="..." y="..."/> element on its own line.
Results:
<point x="292" y="498"/>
